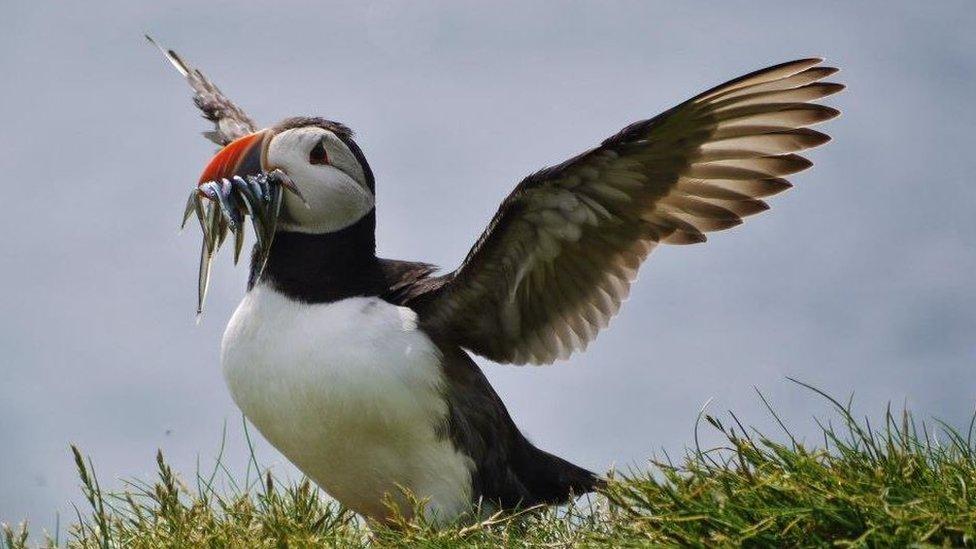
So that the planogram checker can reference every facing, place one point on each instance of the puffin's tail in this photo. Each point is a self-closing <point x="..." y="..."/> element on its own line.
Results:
<point x="551" y="479"/>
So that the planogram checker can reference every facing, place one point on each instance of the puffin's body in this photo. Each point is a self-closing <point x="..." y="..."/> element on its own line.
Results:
<point x="349" y="386"/>
<point x="357" y="368"/>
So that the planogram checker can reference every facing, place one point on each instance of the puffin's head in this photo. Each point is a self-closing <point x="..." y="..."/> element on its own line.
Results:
<point x="321" y="159"/>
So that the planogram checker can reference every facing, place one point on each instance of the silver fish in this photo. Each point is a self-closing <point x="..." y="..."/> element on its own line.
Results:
<point x="220" y="208"/>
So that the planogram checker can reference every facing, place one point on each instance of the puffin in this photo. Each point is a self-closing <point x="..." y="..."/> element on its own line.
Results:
<point x="359" y="369"/>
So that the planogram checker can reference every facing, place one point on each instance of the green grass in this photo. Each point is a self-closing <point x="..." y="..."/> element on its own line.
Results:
<point x="863" y="485"/>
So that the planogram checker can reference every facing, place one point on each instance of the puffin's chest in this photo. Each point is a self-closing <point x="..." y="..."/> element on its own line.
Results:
<point x="350" y="391"/>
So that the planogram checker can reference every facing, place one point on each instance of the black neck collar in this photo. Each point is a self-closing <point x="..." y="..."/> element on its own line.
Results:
<point x="319" y="268"/>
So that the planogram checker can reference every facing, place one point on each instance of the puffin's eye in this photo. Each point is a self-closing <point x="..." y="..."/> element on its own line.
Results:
<point x="318" y="155"/>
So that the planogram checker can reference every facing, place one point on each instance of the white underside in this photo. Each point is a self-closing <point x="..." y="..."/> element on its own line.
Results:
<point x="351" y="393"/>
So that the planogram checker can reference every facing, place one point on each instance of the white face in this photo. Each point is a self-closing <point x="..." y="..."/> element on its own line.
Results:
<point x="328" y="175"/>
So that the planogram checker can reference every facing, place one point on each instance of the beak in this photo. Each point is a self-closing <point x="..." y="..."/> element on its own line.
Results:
<point x="236" y="184"/>
<point x="243" y="156"/>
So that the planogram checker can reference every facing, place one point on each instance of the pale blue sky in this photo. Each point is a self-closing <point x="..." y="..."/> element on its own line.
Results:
<point x="859" y="279"/>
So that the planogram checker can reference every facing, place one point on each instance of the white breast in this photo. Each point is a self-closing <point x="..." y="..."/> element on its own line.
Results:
<point x="351" y="393"/>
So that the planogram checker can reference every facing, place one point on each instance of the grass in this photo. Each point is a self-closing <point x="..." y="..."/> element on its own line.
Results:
<point x="894" y="484"/>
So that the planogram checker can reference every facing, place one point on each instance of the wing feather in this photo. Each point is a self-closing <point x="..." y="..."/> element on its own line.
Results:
<point x="559" y="256"/>
<point x="230" y="122"/>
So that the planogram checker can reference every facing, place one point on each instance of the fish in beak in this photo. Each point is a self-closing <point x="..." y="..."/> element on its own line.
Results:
<point x="234" y="185"/>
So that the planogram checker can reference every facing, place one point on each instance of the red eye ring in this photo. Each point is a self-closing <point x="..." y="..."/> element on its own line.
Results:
<point x="318" y="155"/>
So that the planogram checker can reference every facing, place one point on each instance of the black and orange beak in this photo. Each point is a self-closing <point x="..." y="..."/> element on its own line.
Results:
<point x="236" y="184"/>
<point x="243" y="156"/>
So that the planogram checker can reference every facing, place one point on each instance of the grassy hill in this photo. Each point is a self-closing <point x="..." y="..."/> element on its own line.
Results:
<point x="893" y="484"/>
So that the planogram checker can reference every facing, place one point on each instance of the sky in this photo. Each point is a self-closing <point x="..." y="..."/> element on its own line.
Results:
<point x="859" y="280"/>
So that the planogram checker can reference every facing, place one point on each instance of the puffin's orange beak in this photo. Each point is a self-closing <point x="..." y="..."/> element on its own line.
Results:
<point x="243" y="156"/>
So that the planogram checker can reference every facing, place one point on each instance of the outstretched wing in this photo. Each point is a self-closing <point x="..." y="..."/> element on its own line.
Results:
<point x="559" y="256"/>
<point x="230" y="122"/>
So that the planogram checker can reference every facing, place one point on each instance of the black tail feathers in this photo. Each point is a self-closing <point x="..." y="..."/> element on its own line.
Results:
<point x="551" y="479"/>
